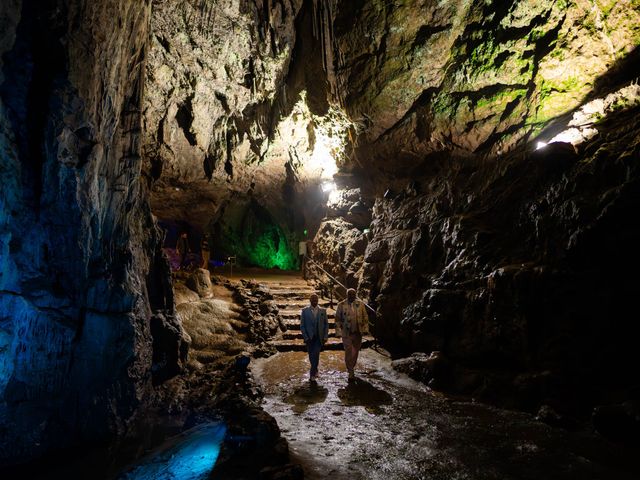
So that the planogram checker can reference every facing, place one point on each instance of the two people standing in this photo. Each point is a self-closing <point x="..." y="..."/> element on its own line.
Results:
<point x="352" y="322"/>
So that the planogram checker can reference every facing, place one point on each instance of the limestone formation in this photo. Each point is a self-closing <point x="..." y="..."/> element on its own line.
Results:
<point x="261" y="311"/>
<point x="511" y="265"/>
<point x="470" y="167"/>
<point x="226" y="126"/>
<point x="426" y="77"/>
<point x="200" y="282"/>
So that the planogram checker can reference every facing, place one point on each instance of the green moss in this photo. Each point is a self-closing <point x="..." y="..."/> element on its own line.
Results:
<point x="606" y="7"/>
<point x="590" y="25"/>
<point x="557" y="97"/>
<point x="536" y="34"/>
<point x="554" y="104"/>
<point x="620" y="104"/>
<point x="443" y="105"/>
<point x="568" y="85"/>
<point x="500" y="99"/>
<point x="482" y="57"/>
<point x="558" y="53"/>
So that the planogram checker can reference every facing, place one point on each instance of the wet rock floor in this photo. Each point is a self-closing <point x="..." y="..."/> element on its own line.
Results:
<point x="386" y="426"/>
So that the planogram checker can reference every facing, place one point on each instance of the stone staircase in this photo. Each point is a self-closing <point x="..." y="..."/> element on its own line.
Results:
<point x="291" y="295"/>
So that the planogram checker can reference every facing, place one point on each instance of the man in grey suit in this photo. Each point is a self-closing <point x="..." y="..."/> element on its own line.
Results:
<point x="315" y="331"/>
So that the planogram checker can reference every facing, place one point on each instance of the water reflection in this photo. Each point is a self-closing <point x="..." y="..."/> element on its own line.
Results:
<point x="306" y="395"/>
<point x="189" y="456"/>
<point x="360" y="393"/>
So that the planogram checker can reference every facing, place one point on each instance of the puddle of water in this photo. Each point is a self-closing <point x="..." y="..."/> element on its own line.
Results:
<point x="188" y="456"/>
<point x="306" y="395"/>
<point x="361" y="393"/>
<point x="385" y="426"/>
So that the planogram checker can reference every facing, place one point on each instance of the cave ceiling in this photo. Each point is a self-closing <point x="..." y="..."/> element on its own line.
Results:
<point x="237" y="93"/>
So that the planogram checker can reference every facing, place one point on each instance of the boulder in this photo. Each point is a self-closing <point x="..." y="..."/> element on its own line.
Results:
<point x="415" y="366"/>
<point x="619" y="422"/>
<point x="430" y="369"/>
<point x="200" y="282"/>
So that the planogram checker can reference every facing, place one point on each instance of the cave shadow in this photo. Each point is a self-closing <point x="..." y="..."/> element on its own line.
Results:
<point x="360" y="393"/>
<point x="306" y="395"/>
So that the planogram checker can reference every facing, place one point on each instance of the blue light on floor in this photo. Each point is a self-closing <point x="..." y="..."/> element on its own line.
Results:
<point x="191" y="456"/>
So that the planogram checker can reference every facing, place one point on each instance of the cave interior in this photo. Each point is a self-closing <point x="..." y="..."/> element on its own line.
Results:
<point x="471" y="168"/>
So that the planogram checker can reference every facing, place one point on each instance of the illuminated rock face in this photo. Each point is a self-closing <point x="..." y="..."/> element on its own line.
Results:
<point x="236" y="116"/>
<point x="417" y="80"/>
<point x="521" y="272"/>
<point x="216" y="84"/>
<point x="471" y="76"/>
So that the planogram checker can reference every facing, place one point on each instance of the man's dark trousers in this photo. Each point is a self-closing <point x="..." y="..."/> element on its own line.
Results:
<point x="313" y="347"/>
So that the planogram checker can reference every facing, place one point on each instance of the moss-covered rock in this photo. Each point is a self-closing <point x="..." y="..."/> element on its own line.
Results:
<point x="475" y="76"/>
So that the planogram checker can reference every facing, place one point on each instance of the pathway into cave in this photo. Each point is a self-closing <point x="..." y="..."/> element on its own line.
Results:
<point x="291" y="294"/>
<point x="387" y="426"/>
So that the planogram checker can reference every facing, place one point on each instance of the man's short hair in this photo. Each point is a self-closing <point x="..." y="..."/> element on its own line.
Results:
<point x="351" y="290"/>
<point x="313" y="295"/>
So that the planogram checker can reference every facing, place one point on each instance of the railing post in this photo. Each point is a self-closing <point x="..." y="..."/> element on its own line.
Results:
<point x="304" y="266"/>
<point x="231" y="261"/>
<point x="330" y="293"/>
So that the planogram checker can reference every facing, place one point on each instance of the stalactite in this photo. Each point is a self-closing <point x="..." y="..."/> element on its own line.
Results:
<point x="324" y="14"/>
<point x="201" y="14"/>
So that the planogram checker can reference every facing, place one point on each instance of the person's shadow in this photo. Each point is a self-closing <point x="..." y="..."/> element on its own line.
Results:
<point x="360" y="393"/>
<point x="306" y="395"/>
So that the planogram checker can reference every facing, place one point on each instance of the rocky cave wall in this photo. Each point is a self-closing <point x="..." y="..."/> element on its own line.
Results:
<point x="426" y="77"/>
<point x="516" y="264"/>
<point x="79" y="253"/>
<point x="235" y="94"/>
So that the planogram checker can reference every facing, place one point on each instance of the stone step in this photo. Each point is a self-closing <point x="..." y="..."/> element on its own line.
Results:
<point x="295" y="314"/>
<point x="292" y="287"/>
<point x="299" y="305"/>
<point x="295" y="324"/>
<point x="299" y="346"/>
<point x="293" y="334"/>
<point x="302" y="285"/>
<point x="295" y="319"/>
<point x="291" y="296"/>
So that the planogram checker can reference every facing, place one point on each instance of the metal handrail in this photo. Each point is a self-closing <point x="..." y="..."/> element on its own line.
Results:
<point x="338" y="282"/>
